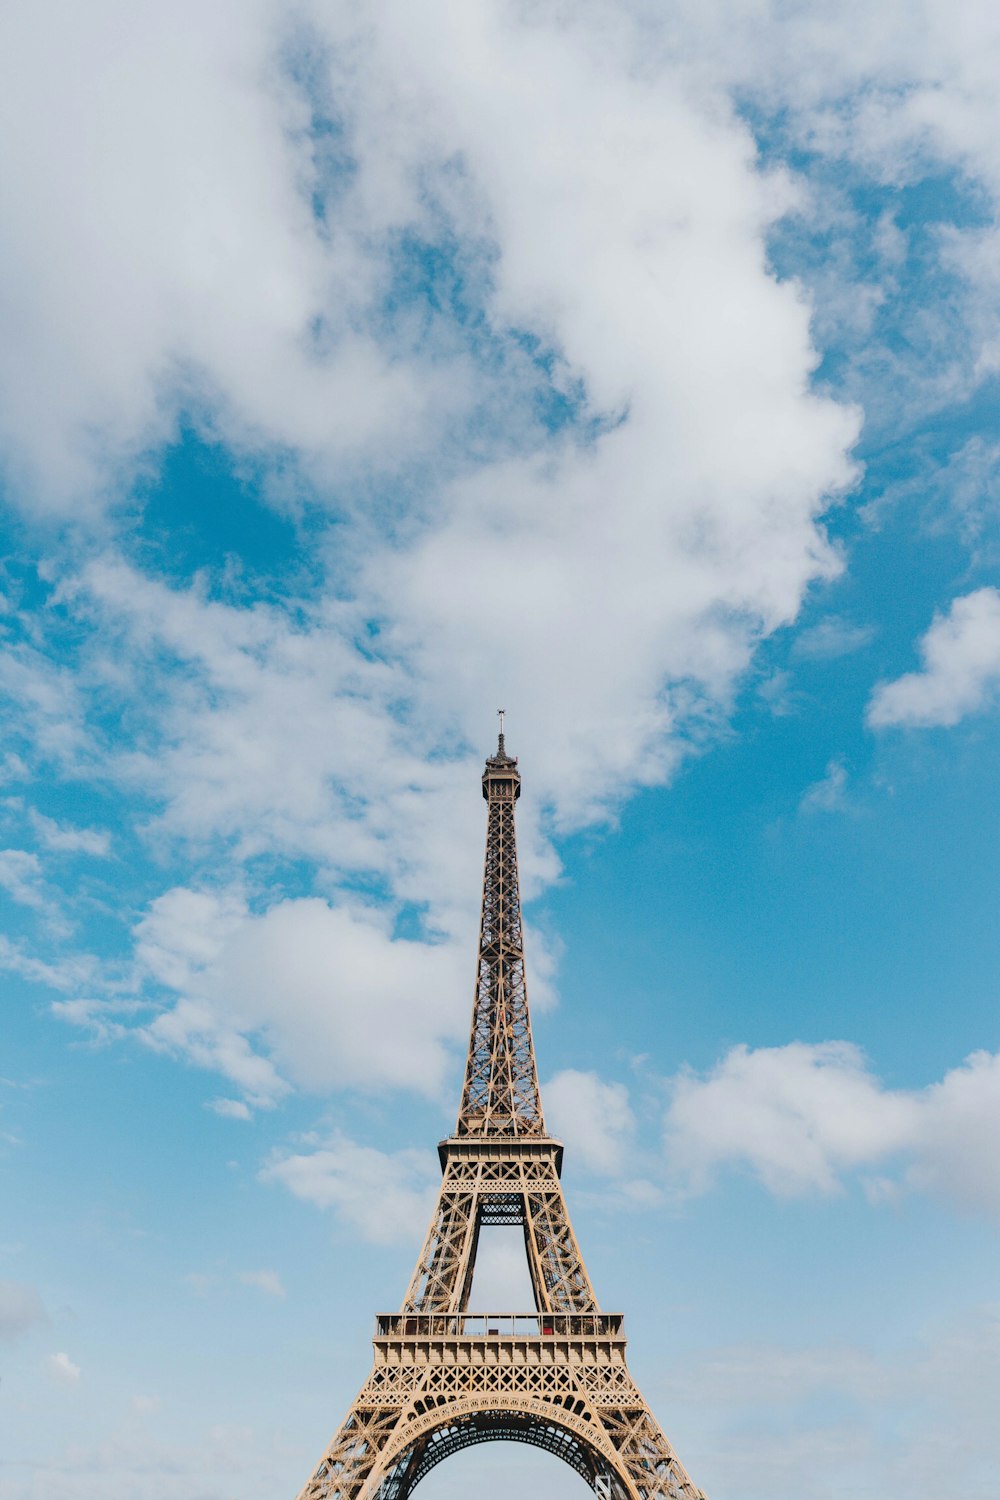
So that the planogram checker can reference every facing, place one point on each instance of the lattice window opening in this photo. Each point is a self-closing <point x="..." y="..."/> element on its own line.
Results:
<point x="501" y="1278"/>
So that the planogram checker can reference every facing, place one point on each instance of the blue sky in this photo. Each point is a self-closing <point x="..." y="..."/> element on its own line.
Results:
<point x="637" y="371"/>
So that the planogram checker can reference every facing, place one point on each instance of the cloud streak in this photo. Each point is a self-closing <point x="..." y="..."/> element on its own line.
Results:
<point x="387" y="1197"/>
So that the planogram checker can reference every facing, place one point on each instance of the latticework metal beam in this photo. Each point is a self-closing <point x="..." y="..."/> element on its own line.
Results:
<point x="500" y="1096"/>
<point x="556" y="1377"/>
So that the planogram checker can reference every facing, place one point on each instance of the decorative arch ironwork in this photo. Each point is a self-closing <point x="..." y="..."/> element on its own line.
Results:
<point x="458" y="1433"/>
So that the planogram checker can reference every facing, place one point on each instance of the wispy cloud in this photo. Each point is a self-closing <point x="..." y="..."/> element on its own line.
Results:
<point x="21" y="877"/>
<point x="831" y="638"/>
<point x="910" y="1420"/>
<point x="66" y="839"/>
<point x="385" y="1196"/>
<point x="75" y="972"/>
<point x="268" y="1282"/>
<point x="829" y="794"/>
<point x="230" y="1109"/>
<point x="21" y="1309"/>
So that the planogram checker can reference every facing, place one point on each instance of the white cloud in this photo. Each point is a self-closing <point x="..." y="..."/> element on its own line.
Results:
<point x="593" y="1117"/>
<point x="66" y="839"/>
<point x="268" y="1282"/>
<point x="386" y="1197"/>
<point x="804" y="1117"/>
<point x="617" y="215"/>
<point x="957" y="1152"/>
<point x="305" y="992"/>
<point x="21" y="878"/>
<point x="229" y="1109"/>
<point x="617" y="219"/>
<point x="828" y="794"/>
<point x="830" y="638"/>
<point x="80" y="970"/>
<point x="961" y="655"/>
<point x="198" y="264"/>
<point x="220" y="1281"/>
<point x="62" y="1369"/>
<point x="196" y="1033"/>
<point x="273" y="733"/>
<point x="106" y="1020"/>
<point x="21" y="1309"/>
<point x="46" y="708"/>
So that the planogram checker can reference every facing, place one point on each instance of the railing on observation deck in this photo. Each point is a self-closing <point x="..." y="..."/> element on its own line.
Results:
<point x="498" y="1325"/>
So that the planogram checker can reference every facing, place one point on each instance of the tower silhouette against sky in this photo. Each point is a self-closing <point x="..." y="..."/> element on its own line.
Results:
<point x="445" y="1379"/>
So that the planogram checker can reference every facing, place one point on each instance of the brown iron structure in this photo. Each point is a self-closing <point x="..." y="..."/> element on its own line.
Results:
<point x="443" y="1378"/>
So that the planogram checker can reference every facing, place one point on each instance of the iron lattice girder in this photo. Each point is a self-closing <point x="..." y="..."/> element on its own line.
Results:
<point x="500" y="1180"/>
<point x="443" y="1378"/>
<point x="433" y="1373"/>
<point x="500" y="1095"/>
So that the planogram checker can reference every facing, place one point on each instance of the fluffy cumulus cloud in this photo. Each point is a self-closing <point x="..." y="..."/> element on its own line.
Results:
<point x="583" y="473"/>
<point x="803" y="1118"/>
<point x="613" y="224"/>
<point x="305" y="993"/>
<point x="382" y="1195"/>
<point x="61" y="1369"/>
<point x="198" y="262"/>
<point x="593" y="1117"/>
<point x="264" y="728"/>
<point x="583" y="478"/>
<point x="657" y="550"/>
<point x="597" y="193"/>
<point x="961" y="670"/>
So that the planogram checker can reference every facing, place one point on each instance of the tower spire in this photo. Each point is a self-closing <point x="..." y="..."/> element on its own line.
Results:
<point x="500" y="1095"/>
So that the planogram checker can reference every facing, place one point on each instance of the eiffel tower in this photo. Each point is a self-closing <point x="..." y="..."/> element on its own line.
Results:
<point x="444" y="1379"/>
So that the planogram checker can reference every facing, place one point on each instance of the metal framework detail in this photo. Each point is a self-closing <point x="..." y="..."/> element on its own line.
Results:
<point x="445" y="1379"/>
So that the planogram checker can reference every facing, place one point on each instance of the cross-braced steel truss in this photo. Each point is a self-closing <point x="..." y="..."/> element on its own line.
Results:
<point x="445" y="1379"/>
<point x="500" y="1096"/>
